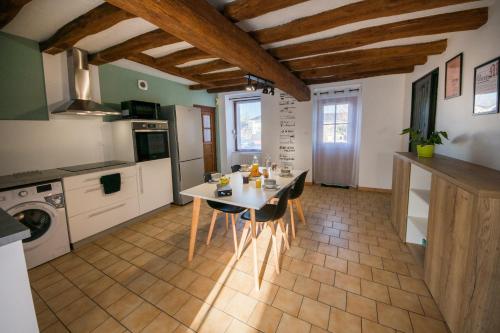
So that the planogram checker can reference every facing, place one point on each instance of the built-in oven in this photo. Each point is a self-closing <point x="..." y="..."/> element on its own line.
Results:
<point x="150" y="140"/>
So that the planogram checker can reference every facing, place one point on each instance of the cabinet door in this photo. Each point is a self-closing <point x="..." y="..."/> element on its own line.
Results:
<point x="155" y="184"/>
<point x="400" y="190"/>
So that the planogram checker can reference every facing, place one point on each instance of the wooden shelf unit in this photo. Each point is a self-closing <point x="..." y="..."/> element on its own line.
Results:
<point x="461" y="260"/>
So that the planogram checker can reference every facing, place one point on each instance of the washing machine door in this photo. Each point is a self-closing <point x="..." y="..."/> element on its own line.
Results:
<point x="39" y="217"/>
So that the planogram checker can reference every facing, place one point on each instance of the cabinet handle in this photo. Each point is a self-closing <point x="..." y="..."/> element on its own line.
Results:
<point x="106" y="210"/>
<point x="92" y="189"/>
<point x="141" y="185"/>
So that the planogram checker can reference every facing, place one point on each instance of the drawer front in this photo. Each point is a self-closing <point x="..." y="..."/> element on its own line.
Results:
<point x="91" y="223"/>
<point x="89" y="198"/>
<point x="93" y="179"/>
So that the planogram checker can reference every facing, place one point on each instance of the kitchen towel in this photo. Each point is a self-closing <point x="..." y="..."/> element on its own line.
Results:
<point x="111" y="183"/>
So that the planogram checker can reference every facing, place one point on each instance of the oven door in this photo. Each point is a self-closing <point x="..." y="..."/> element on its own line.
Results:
<point x="151" y="145"/>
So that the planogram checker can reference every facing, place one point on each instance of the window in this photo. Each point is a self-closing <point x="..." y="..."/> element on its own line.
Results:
<point x="247" y="123"/>
<point x="335" y="123"/>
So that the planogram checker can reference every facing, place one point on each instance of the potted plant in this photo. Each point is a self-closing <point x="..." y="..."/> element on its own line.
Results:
<point x="425" y="146"/>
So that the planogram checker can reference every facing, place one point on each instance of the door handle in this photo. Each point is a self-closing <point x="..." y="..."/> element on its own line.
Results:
<point x="141" y="183"/>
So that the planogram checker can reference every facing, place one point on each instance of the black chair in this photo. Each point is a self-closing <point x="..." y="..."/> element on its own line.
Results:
<point x="235" y="168"/>
<point x="269" y="214"/>
<point x="295" y="194"/>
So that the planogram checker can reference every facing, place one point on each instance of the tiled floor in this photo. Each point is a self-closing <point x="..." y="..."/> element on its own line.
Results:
<point x="345" y="272"/>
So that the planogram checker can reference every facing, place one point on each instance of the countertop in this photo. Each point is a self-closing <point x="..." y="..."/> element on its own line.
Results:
<point x="39" y="176"/>
<point x="472" y="177"/>
<point x="11" y="230"/>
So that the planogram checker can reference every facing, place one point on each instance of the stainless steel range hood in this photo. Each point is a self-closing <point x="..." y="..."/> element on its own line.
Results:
<point x="79" y="89"/>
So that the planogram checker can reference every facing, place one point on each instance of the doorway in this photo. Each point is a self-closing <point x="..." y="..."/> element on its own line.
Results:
<point x="209" y="137"/>
<point x="423" y="104"/>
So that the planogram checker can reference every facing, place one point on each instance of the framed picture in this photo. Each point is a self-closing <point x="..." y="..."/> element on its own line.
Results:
<point x="453" y="77"/>
<point x="486" y="84"/>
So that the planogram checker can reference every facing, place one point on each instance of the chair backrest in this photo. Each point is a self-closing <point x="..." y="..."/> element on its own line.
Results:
<point x="282" y="203"/>
<point x="207" y="177"/>
<point x="235" y="168"/>
<point x="298" y="187"/>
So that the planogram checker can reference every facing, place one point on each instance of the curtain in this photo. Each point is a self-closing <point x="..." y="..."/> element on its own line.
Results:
<point x="336" y="142"/>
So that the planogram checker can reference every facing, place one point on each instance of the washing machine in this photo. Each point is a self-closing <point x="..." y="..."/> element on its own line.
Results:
<point x="41" y="208"/>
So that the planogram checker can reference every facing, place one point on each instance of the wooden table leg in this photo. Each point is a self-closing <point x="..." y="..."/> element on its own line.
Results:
<point x="254" y="246"/>
<point x="194" y="227"/>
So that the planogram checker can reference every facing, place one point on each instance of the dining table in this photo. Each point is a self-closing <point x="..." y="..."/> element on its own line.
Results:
<point x="243" y="195"/>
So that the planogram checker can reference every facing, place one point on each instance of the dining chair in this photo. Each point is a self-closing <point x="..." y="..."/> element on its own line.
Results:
<point x="235" y="168"/>
<point x="228" y="210"/>
<point x="269" y="215"/>
<point x="294" y="198"/>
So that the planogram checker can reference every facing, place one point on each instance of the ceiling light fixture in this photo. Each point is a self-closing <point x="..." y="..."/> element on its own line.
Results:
<point x="267" y="86"/>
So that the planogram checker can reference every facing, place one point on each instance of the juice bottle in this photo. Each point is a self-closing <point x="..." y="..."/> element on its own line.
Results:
<point x="258" y="183"/>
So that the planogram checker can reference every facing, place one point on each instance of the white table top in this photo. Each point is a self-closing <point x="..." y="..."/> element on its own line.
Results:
<point x="244" y="195"/>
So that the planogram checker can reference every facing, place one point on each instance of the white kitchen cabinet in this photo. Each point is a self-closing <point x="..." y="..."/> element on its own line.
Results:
<point x="154" y="180"/>
<point x="90" y="211"/>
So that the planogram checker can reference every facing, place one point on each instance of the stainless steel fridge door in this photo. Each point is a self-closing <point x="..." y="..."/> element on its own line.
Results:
<point x="191" y="174"/>
<point x="188" y="121"/>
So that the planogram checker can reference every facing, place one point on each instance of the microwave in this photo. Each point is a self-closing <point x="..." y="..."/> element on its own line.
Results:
<point x="140" y="110"/>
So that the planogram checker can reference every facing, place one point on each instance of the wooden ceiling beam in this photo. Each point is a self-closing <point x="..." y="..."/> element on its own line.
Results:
<point x="149" y="61"/>
<point x="9" y="9"/>
<point x="207" y="67"/>
<point x="221" y="76"/>
<point x="96" y="20"/>
<point x="201" y="25"/>
<point x="149" y="40"/>
<point x="222" y="83"/>
<point x="226" y="89"/>
<point x="240" y="10"/>
<point x="373" y="65"/>
<point x="360" y="75"/>
<point x="359" y="56"/>
<point x="183" y="56"/>
<point x="436" y="24"/>
<point x="351" y="13"/>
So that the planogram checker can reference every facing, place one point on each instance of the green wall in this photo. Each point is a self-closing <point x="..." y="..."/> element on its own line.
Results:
<point x="120" y="84"/>
<point x="22" y="84"/>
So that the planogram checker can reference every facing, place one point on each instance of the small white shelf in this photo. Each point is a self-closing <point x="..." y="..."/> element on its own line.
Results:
<point x="416" y="230"/>
<point x="425" y="195"/>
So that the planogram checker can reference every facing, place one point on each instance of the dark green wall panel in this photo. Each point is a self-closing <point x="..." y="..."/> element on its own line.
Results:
<point x="22" y="86"/>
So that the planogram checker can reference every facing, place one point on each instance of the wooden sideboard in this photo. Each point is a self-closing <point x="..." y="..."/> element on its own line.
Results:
<point x="460" y="232"/>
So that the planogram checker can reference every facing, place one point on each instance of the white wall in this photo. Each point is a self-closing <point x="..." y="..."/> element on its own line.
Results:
<point x="473" y="138"/>
<point x="61" y="141"/>
<point x="382" y="101"/>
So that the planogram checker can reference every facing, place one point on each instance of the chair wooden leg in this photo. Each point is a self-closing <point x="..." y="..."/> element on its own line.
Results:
<point x="284" y="231"/>
<point x="275" y="247"/>
<point x="235" y="237"/>
<point x="300" y="210"/>
<point x="227" y="222"/>
<point x="212" y="224"/>
<point x="292" y="220"/>
<point x="243" y="240"/>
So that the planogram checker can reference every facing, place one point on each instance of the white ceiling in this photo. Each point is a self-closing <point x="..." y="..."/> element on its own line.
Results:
<point x="40" y="19"/>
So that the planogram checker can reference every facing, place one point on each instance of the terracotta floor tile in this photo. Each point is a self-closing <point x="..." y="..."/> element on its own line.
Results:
<point x="265" y="318"/>
<point x="89" y="321"/>
<point x="394" y="317"/>
<point x="116" y="268"/>
<point x="142" y="282"/>
<point x="333" y="296"/>
<point x="124" y="306"/>
<point x="389" y="279"/>
<point x="289" y="324"/>
<point x="307" y="287"/>
<point x="423" y="324"/>
<point x="375" y="291"/>
<point x="202" y="287"/>
<point x="416" y="286"/>
<point x="323" y="274"/>
<point x="338" y="264"/>
<point x="163" y="323"/>
<point x="314" y="312"/>
<point x="241" y="306"/>
<point x="215" y="321"/>
<point x="314" y="258"/>
<point x="362" y="271"/>
<point x="156" y="291"/>
<point x="348" y="255"/>
<point x="129" y="275"/>
<point x="75" y="310"/>
<point x="405" y="300"/>
<point x="343" y="322"/>
<point x="110" y="295"/>
<point x="240" y="281"/>
<point x="173" y="301"/>
<point x="141" y="317"/>
<point x="95" y="288"/>
<point x="45" y="319"/>
<point x="372" y="327"/>
<point x="169" y="271"/>
<point x="193" y="313"/>
<point x="395" y="266"/>
<point x="184" y="278"/>
<point x="237" y="326"/>
<point x="64" y="299"/>
<point x="110" y="325"/>
<point x="284" y="279"/>
<point x="40" y="271"/>
<point x="55" y="289"/>
<point x="266" y="293"/>
<point x="348" y="283"/>
<point x="288" y="301"/>
<point x="430" y="307"/>
<point x="370" y="260"/>
<point x="300" y="267"/>
<point x="361" y="306"/>
<point x="56" y="327"/>
<point x="47" y="281"/>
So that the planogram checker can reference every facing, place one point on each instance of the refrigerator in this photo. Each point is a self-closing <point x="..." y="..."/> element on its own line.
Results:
<point x="186" y="148"/>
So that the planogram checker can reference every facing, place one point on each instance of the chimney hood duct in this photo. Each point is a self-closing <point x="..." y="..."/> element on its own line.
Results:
<point x="79" y="89"/>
